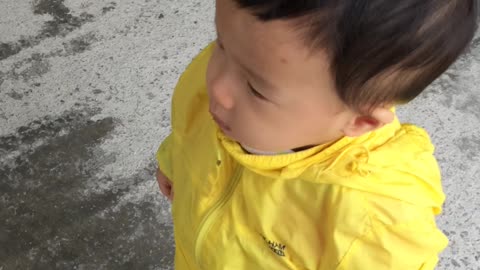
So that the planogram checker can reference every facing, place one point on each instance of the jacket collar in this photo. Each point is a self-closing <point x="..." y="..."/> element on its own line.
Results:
<point x="324" y="157"/>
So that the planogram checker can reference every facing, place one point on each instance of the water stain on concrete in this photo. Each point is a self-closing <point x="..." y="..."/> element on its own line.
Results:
<point x="79" y="44"/>
<point x="97" y="91"/>
<point x="42" y="129"/>
<point x="111" y="6"/>
<point x="37" y="64"/>
<point x="470" y="147"/>
<point x="448" y="81"/>
<point x="38" y="67"/>
<point x="470" y="104"/>
<point x="9" y="49"/>
<point x="455" y="263"/>
<point x="15" y="95"/>
<point x="2" y="78"/>
<point x="62" y="23"/>
<point x="150" y="95"/>
<point x="33" y="67"/>
<point x="50" y="218"/>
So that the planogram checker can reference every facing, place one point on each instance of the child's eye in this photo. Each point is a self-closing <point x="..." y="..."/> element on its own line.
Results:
<point x="255" y="92"/>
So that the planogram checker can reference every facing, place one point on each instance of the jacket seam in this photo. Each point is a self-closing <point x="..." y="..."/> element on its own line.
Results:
<point x="368" y="229"/>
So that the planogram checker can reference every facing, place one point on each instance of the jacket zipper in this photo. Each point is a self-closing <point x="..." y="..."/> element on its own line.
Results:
<point x="213" y="213"/>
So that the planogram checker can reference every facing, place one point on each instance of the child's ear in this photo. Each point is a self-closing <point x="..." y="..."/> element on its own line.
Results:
<point x="361" y="124"/>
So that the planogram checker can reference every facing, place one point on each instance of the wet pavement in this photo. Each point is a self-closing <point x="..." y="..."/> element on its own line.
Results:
<point x="85" y="90"/>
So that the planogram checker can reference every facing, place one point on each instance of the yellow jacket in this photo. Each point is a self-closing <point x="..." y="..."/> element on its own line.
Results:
<point x="365" y="203"/>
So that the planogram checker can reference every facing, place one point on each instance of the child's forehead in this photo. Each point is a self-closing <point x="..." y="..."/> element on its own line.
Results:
<point x="279" y="39"/>
<point x="291" y="33"/>
<point x="273" y="57"/>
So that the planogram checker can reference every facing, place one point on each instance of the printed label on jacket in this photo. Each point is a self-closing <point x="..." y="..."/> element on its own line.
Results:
<point x="276" y="247"/>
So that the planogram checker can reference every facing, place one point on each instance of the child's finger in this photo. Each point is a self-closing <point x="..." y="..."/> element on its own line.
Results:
<point x="165" y="189"/>
<point x="170" y="195"/>
<point x="165" y="185"/>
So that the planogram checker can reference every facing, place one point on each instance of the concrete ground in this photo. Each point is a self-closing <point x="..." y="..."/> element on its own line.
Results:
<point x="85" y="90"/>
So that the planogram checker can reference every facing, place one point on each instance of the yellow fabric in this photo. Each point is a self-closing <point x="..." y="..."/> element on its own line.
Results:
<point x="362" y="203"/>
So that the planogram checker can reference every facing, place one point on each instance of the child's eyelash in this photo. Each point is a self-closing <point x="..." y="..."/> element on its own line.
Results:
<point x="255" y="92"/>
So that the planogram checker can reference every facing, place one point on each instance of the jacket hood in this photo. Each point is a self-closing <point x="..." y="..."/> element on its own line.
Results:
<point x="395" y="161"/>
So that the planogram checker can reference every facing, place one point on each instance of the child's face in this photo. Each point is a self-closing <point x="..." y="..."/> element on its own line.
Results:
<point x="267" y="89"/>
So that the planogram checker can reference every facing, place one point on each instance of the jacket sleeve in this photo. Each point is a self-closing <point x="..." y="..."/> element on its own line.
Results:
<point x="407" y="246"/>
<point x="164" y="157"/>
<point x="189" y="94"/>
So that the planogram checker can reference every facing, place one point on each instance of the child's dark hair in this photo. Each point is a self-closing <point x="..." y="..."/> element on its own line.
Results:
<point x="382" y="51"/>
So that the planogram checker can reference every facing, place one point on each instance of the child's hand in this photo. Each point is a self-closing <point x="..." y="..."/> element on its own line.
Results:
<point x="165" y="185"/>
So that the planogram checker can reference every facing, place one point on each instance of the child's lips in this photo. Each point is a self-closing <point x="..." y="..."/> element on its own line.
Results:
<point x="220" y="123"/>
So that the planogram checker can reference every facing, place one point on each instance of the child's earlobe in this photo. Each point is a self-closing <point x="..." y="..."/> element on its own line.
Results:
<point x="384" y="115"/>
<point x="362" y="124"/>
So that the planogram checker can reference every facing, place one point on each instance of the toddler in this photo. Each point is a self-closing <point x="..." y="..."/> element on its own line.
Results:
<point x="285" y="151"/>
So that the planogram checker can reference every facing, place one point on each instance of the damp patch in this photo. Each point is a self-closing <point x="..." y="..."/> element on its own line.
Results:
<point x="49" y="216"/>
<point x="111" y="6"/>
<point x="62" y="23"/>
<point x="79" y="44"/>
